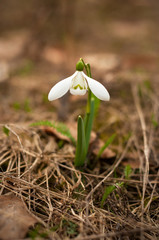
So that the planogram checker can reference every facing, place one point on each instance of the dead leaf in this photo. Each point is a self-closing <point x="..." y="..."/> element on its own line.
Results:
<point x="97" y="143"/>
<point x="54" y="132"/>
<point x="134" y="163"/>
<point x="15" y="220"/>
<point x="107" y="153"/>
<point x="132" y="159"/>
<point x="73" y="130"/>
<point x="72" y="126"/>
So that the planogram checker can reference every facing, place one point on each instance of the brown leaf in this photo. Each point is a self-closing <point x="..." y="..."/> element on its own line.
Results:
<point x="54" y="132"/>
<point x="15" y="220"/>
<point x="134" y="163"/>
<point x="72" y="125"/>
<point x="73" y="130"/>
<point x="107" y="153"/>
<point x="96" y="142"/>
<point x="132" y="159"/>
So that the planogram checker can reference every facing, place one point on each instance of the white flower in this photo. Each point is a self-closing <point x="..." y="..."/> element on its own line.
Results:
<point x="78" y="84"/>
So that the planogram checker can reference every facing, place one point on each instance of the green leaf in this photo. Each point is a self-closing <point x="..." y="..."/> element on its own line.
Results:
<point x="16" y="105"/>
<point x="27" y="107"/>
<point x="6" y="131"/>
<point x="45" y="98"/>
<point x="60" y="127"/>
<point x="96" y="104"/>
<point x="147" y="84"/>
<point x="121" y="184"/>
<point x="42" y="123"/>
<point x="26" y="69"/>
<point x="108" y="142"/>
<point x="81" y="144"/>
<point x="88" y="123"/>
<point x="60" y="143"/>
<point x="127" y="171"/>
<point x="107" y="192"/>
<point x="154" y="121"/>
<point x="70" y="227"/>
<point x="127" y="136"/>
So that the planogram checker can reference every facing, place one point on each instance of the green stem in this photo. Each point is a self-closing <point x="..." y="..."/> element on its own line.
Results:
<point x="88" y="70"/>
<point x="84" y="128"/>
<point x="89" y="109"/>
<point x="85" y="65"/>
<point x="88" y="102"/>
<point x="81" y="144"/>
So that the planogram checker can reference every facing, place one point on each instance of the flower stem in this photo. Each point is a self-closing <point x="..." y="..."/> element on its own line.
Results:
<point x="88" y="121"/>
<point x="85" y="127"/>
<point x="88" y="71"/>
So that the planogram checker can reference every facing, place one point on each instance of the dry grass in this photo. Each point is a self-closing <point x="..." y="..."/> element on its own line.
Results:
<point x="67" y="201"/>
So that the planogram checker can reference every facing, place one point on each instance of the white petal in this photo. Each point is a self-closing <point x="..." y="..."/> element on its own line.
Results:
<point x="97" y="88"/>
<point x="60" y="88"/>
<point x="78" y="91"/>
<point x="79" y="79"/>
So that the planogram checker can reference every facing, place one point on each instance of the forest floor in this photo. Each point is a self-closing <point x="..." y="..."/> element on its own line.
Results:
<point x="42" y="194"/>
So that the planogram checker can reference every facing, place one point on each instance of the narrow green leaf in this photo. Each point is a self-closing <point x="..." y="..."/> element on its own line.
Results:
<point x="107" y="192"/>
<point x="89" y="123"/>
<point x="108" y="142"/>
<point x="121" y="184"/>
<point x="127" y="171"/>
<point x="81" y="144"/>
<point x="147" y="84"/>
<point x="27" y="107"/>
<point x="6" y="131"/>
<point x="154" y="121"/>
<point x="16" y="105"/>
<point x="96" y="105"/>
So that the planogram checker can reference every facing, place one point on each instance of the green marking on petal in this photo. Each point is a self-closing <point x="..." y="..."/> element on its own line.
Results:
<point x="81" y="88"/>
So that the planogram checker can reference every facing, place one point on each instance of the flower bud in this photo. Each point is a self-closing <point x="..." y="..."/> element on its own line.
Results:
<point x="79" y="66"/>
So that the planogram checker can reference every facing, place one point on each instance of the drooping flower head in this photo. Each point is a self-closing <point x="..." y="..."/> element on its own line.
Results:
<point x="78" y="84"/>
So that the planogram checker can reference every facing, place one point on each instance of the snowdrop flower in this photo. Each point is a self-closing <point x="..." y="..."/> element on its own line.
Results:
<point x="78" y="84"/>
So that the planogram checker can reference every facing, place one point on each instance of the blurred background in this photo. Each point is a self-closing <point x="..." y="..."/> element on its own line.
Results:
<point x="41" y="41"/>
